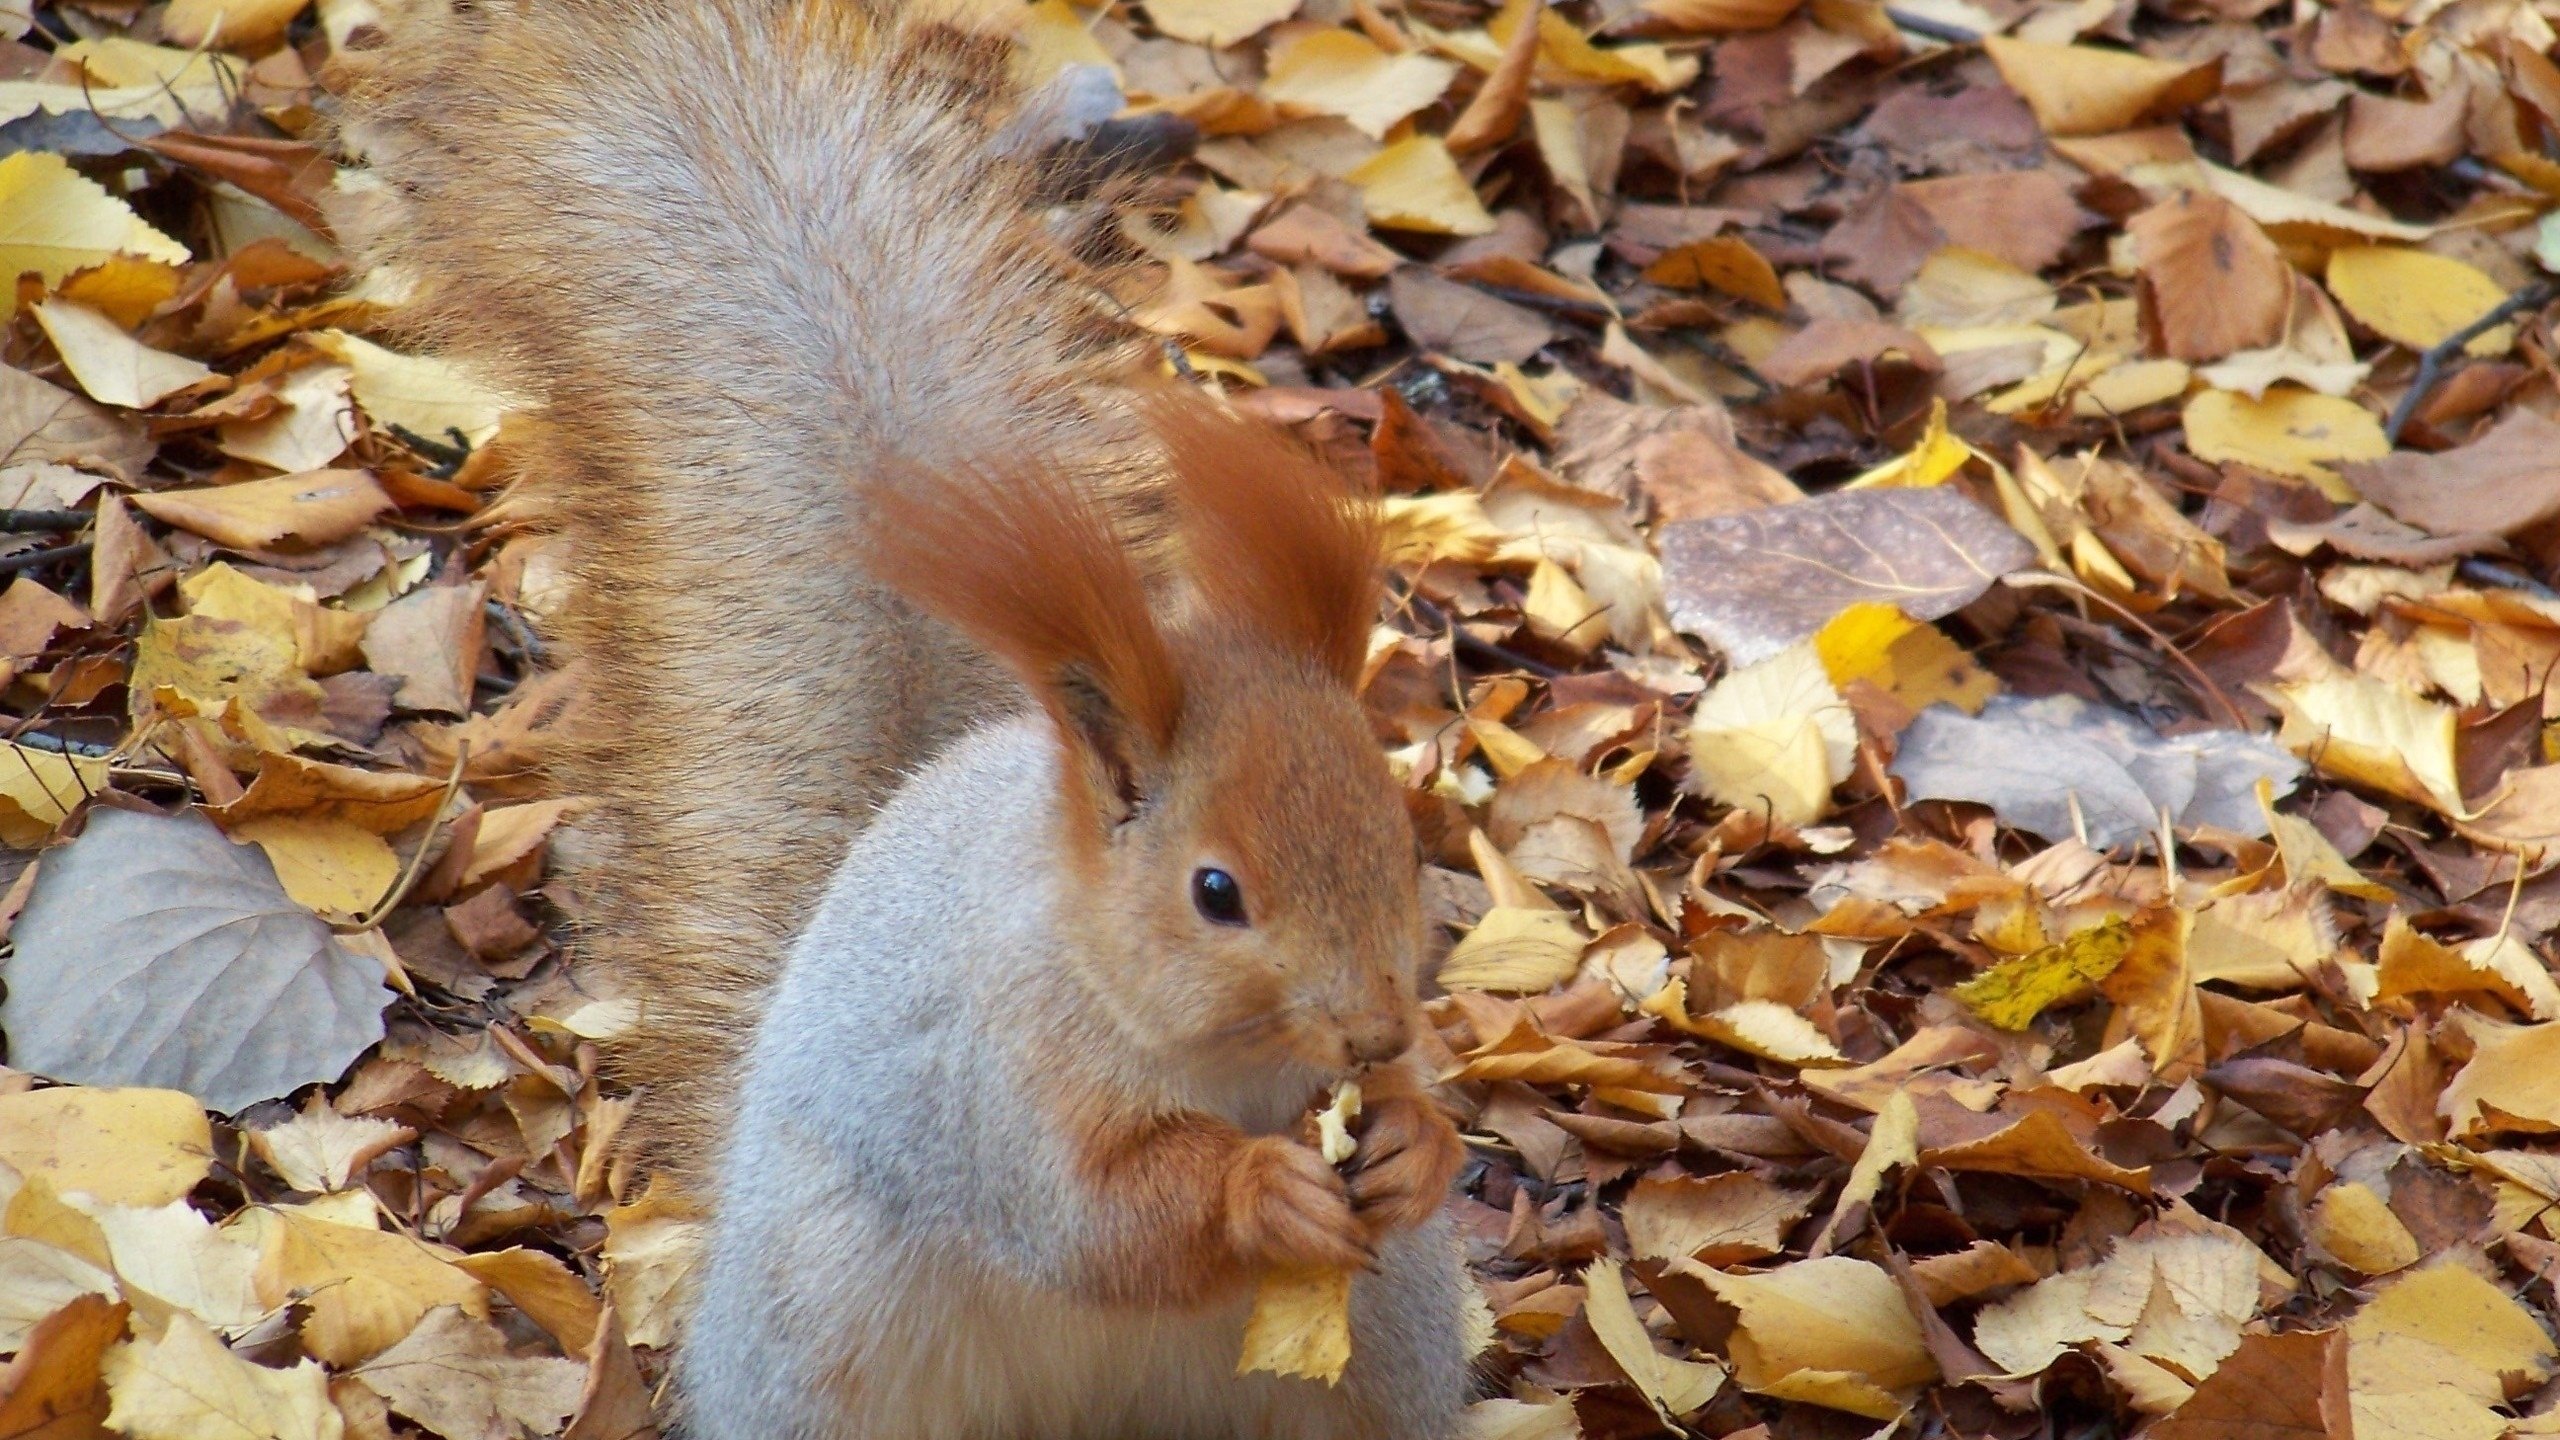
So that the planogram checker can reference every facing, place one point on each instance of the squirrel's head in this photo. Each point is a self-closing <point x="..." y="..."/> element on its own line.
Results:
<point x="1239" y="868"/>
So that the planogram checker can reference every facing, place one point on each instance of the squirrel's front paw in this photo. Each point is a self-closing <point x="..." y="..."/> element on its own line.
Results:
<point x="1287" y="1209"/>
<point x="1409" y="1152"/>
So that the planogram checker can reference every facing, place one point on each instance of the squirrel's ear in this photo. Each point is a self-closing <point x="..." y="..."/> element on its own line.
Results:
<point x="1278" y="540"/>
<point x="1024" y="562"/>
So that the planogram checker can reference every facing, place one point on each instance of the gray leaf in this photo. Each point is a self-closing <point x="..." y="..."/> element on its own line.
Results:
<point x="2029" y="760"/>
<point x="156" y="952"/>
<point x="1758" y="582"/>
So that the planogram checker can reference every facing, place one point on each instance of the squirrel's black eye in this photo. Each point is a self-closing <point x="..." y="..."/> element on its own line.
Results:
<point x="1218" y="896"/>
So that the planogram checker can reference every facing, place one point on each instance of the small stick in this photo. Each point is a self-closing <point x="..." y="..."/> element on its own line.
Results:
<point x="17" y="520"/>
<point x="2431" y="363"/>
<point x="38" y="559"/>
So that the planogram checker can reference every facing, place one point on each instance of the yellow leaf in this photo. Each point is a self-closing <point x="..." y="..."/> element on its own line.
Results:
<point x="1771" y="1031"/>
<point x="2353" y="1223"/>
<point x="186" y="1386"/>
<point x="1704" y="1222"/>
<point x="40" y="788"/>
<point x="1516" y="951"/>
<point x="2290" y="432"/>
<point x="2013" y="993"/>
<point x="1414" y="184"/>
<point x="1217" y="23"/>
<point x="2430" y="1353"/>
<point x="2084" y="90"/>
<point x="1673" y="1387"/>
<point x="1341" y="72"/>
<point x="317" y="508"/>
<point x="366" y="1287"/>
<point x="112" y="366"/>
<point x="1774" y="737"/>
<point x="2512" y="1081"/>
<point x="2370" y="732"/>
<point x="1301" y="1325"/>
<point x="419" y="393"/>
<point x="237" y="644"/>
<point x="1914" y="662"/>
<point x="316" y="425"/>
<point x="1894" y="1140"/>
<point x="321" y="1150"/>
<point x="1722" y="262"/>
<point x="122" y="1146"/>
<point x="228" y="24"/>
<point x="335" y="867"/>
<point x="2309" y="858"/>
<point x="54" y="220"/>
<point x="1052" y="37"/>
<point x="651" y="1249"/>
<point x="1565" y="48"/>
<point x="1834" y="1332"/>
<point x="2416" y="298"/>
<point x="124" y="288"/>
<point x="1931" y="460"/>
<point x="2412" y="964"/>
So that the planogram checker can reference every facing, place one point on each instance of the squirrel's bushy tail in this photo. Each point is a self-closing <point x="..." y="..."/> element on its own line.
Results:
<point x="740" y="258"/>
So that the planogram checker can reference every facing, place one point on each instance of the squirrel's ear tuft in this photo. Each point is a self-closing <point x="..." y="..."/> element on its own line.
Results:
<point x="1279" y="543"/>
<point x="1025" y="563"/>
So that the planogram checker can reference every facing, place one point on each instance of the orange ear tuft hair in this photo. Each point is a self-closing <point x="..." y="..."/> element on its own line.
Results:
<point x="1277" y="543"/>
<point x="1023" y="561"/>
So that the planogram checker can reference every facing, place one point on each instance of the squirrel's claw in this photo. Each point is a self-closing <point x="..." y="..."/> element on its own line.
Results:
<point x="1409" y="1152"/>
<point x="1288" y="1209"/>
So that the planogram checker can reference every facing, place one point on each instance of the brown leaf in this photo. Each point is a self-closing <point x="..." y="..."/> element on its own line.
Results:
<point x="2500" y="483"/>
<point x="2212" y="282"/>
<point x="2293" y="1384"/>
<point x="51" y="1390"/>
<point x="1460" y="320"/>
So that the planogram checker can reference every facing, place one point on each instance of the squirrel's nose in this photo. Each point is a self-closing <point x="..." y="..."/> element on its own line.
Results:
<point x="1377" y="1035"/>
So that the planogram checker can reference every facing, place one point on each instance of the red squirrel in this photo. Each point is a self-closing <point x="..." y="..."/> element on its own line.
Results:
<point x="987" y="822"/>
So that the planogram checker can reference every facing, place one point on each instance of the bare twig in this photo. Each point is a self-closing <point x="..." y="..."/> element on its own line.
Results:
<point x="409" y="874"/>
<point x="21" y="520"/>
<point x="1482" y="652"/>
<point x="38" y="559"/>
<point x="2038" y="579"/>
<point x="2431" y="363"/>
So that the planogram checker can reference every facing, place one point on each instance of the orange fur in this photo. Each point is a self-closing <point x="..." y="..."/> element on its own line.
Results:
<point x="1277" y="545"/>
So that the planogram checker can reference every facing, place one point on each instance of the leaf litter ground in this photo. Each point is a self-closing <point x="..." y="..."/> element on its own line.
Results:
<point x="1971" y="656"/>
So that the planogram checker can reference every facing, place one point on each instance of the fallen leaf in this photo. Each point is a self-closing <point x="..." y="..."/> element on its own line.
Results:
<point x="1673" y="1387"/>
<point x="60" y="221"/>
<point x="1757" y="582"/>
<point x="453" y="1374"/>
<point x="125" y="1147"/>
<point x="186" y="1386"/>
<point x="2415" y="297"/>
<point x="1414" y="184"/>
<point x="1834" y="1332"/>
<point x="2289" y="432"/>
<point x="2084" y="90"/>
<point x="111" y="365"/>
<point x="2061" y="768"/>
<point x="318" y="508"/>
<point x="2212" y="282"/>
<point x="367" y="1288"/>
<point x="2500" y="483"/>
<point x="156" y="952"/>
<point x="1773" y="737"/>
<point x="1339" y="72"/>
